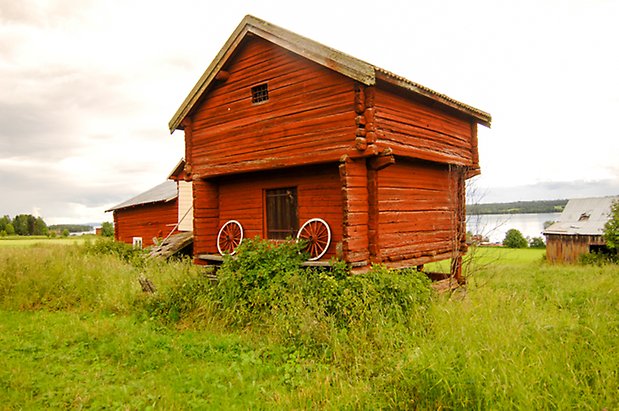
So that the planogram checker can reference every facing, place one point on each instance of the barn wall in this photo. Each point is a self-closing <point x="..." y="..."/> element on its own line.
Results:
<point x="309" y="117"/>
<point x="240" y="197"/>
<point x="146" y="221"/>
<point x="569" y="248"/>
<point x="422" y="131"/>
<point x="420" y="212"/>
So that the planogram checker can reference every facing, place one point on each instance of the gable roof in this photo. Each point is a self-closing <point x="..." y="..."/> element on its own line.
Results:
<point x="342" y="63"/>
<point x="583" y="216"/>
<point x="165" y="191"/>
<point x="178" y="170"/>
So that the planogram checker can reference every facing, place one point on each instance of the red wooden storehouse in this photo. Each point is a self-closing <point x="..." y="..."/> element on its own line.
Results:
<point x="287" y="137"/>
<point x="156" y="213"/>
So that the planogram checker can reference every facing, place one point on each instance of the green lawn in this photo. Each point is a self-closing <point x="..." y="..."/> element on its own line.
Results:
<point x="63" y="360"/>
<point x="522" y="335"/>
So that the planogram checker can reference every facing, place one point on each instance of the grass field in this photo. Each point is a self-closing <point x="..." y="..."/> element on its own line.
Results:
<point x="523" y="335"/>
<point x="27" y="241"/>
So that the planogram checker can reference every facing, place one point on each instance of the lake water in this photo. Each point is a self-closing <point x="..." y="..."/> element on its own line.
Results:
<point x="494" y="226"/>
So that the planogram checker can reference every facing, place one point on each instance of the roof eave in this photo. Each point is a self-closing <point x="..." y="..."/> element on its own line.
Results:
<point x="480" y="116"/>
<point x="121" y="207"/>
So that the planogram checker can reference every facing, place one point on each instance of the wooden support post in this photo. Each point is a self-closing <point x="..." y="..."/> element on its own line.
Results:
<point x="373" y="234"/>
<point x="353" y="179"/>
<point x="456" y="269"/>
<point x="460" y="223"/>
<point x="206" y="218"/>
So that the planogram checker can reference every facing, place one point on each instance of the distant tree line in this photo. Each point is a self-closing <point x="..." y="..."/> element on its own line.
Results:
<point x="518" y="207"/>
<point x="23" y="224"/>
<point x="72" y="228"/>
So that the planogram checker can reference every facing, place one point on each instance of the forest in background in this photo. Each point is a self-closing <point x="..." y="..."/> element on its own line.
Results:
<point x="517" y="207"/>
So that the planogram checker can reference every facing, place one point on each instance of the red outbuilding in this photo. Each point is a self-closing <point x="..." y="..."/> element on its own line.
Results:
<point x="286" y="137"/>
<point x="157" y="213"/>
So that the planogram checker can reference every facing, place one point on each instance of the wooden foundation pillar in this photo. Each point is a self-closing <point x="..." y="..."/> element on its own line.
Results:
<point x="456" y="269"/>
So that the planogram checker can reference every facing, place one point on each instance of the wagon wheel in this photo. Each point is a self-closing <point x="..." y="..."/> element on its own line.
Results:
<point x="230" y="237"/>
<point x="317" y="234"/>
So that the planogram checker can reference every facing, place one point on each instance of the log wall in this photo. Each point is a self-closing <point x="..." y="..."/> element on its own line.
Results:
<point x="146" y="221"/>
<point x="413" y="129"/>
<point x="420" y="212"/>
<point x="241" y="197"/>
<point x="309" y="117"/>
<point x="353" y="180"/>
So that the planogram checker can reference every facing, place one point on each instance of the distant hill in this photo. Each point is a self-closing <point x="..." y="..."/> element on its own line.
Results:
<point x="518" y="207"/>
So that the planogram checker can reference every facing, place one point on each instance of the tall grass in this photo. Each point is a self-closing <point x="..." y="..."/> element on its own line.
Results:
<point x="85" y="278"/>
<point x="522" y="335"/>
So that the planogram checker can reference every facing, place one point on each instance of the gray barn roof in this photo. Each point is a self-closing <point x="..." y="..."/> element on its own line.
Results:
<point x="583" y="216"/>
<point x="165" y="191"/>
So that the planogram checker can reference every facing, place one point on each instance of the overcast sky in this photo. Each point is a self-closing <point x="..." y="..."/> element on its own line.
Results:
<point x="87" y="88"/>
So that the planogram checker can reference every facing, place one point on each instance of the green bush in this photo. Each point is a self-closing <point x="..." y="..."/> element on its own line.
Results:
<point x="265" y="278"/>
<point x="180" y="300"/>
<point x="514" y="239"/>
<point x="254" y="279"/>
<point x="599" y="259"/>
<point x="264" y="285"/>
<point x="107" y="229"/>
<point x="124" y="251"/>
<point x="537" y="242"/>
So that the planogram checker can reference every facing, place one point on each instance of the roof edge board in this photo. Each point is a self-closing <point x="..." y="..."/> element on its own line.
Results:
<point x="318" y="53"/>
<point x="481" y="116"/>
<point x="163" y="200"/>
<point x="209" y="74"/>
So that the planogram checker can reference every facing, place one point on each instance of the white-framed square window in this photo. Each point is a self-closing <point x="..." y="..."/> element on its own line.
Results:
<point x="137" y="242"/>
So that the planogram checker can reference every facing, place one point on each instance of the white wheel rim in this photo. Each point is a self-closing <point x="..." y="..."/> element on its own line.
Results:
<point x="221" y="230"/>
<point x="324" y="223"/>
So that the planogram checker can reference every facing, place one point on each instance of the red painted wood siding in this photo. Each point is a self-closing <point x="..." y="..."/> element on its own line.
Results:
<point x="418" y="211"/>
<point x="241" y="197"/>
<point x="146" y="221"/>
<point x="309" y="117"/>
<point x="416" y="130"/>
